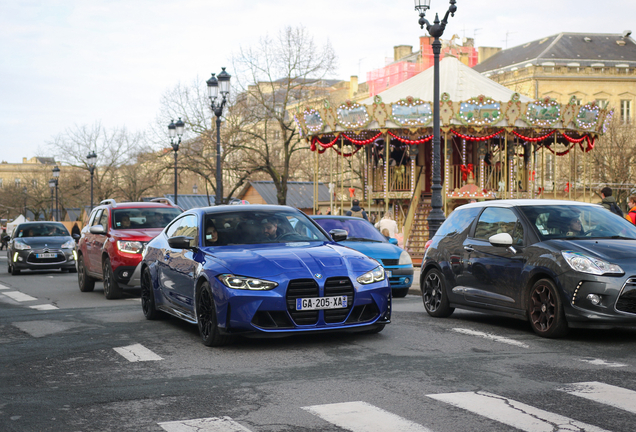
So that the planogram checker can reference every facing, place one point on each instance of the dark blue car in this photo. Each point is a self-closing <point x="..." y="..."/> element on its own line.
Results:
<point x="363" y="237"/>
<point x="264" y="270"/>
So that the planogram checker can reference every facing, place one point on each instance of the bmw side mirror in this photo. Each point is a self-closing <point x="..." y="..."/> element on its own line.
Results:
<point x="393" y="241"/>
<point x="97" y="229"/>
<point x="338" y="235"/>
<point x="501" y="240"/>
<point x="180" y="242"/>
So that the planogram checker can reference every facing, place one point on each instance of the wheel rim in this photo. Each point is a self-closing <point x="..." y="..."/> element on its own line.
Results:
<point x="80" y="273"/>
<point x="432" y="293"/>
<point x="146" y="292"/>
<point x="205" y="313"/>
<point x="543" y="308"/>
<point x="106" y="276"/>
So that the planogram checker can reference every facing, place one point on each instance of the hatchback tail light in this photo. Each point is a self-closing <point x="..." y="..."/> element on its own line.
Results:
<point x="428" y="243"/>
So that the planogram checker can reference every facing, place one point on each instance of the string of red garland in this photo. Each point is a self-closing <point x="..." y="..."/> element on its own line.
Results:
<point x="411" y="142"/>
<point x="472" y="138"/>
<point x="347" y="154"/>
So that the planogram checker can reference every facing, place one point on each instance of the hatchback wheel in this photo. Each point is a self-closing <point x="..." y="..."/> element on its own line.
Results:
<point x="434" y="295"/>
<point x="86" y="283"/>
<point x="545" y="310"/>
<point x="206" y="318"/>
<point x="148" y="304"/>
<point x="14" y="271"/>
<point x="112" y="289"/>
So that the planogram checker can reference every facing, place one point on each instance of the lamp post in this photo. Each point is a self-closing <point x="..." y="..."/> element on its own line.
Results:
<point x="436" y="216"/>
<point x="175" y="130"/>
<point x="24" y="191"/>
<point x="215" y="84"/>
<point x="92" y="159"/>
<point x="195" y="189"/>
<point x="56" y="174"/>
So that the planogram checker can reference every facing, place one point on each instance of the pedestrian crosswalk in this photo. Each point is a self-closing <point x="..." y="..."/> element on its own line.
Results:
<point x="359" y="416"/>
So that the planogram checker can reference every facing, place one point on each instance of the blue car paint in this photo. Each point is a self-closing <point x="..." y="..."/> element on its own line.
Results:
<point x="277" y="262"/>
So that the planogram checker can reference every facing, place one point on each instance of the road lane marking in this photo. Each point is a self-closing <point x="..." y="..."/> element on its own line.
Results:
<point x="137" y="353"/>
<point x="44" y="307"/>
<point x="491" y="336"/>
<point x="212" y="424"/>
<point x="18" y="296"/>
<point x="600" y="362"/>
<point x="513" y="413"/>
<point x="363" y="417"/>
<point x="2" y="287"/>
<point x="604" y="393"/>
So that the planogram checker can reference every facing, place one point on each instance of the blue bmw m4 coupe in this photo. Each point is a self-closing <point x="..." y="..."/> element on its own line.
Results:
<point x="261" y="270"/>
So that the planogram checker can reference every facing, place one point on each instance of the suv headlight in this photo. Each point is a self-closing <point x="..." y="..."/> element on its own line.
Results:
<point x="405" y="258"/>
<point x="69" y="244"/>
<point x="246" y="283"/>
<point x="587" y="264"/>
<point x="375" y="275"/>
<point x="134" y="247"/>
<point x="18" y="245"/>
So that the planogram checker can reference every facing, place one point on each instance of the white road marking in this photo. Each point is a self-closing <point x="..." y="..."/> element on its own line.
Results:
<point x="137" y="352"/>
<point x="600" y="362"/>
<point x="212" y="424"/>
<point x="2" y="287"/>
<point x="363" y="417"/>
<point x="491" y="336"/>
<point x="604" y="393"/>
<point x="43" y="307"/>
<point x="512" y="413"/>
<point x="18" y="296"/>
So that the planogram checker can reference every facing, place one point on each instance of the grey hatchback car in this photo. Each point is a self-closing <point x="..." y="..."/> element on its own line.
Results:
<point x="556" y="264"/>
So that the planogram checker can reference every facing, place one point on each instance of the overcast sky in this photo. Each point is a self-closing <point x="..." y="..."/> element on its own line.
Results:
<point x="67" y="62"/>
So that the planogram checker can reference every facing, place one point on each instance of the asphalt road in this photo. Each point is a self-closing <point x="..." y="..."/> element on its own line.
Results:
<point x="72" y="361"/>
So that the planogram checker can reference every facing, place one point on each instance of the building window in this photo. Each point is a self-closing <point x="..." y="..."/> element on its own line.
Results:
<point x="17" y="182"/>
<point x="0" y="183"/>
<point x="626" y="111"/>
<point x="602" y="103"/>
<point x="34" y="183"/>
<point x="548" y="69"/>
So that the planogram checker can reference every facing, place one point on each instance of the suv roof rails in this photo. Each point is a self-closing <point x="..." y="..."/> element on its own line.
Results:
<point x="167" y="201"/>
<point x="108" y="201"/>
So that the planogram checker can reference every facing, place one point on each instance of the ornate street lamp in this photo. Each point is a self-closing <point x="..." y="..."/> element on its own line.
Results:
<point x="52" y="184"/>
<point x="175" y="130"/>
<point x="56" y="175"/>
<point x="24" y="191"/>
<point x="436" y="216"/>
<point x="92" y="159"/>
<point x="220" y="83"/>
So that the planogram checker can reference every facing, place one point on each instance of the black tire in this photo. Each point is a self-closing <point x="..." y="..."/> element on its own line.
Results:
<point x="14" y="271"/>
<point x="434" y="295"/>
<point x="86" y="283"/>
<point x="545" y="310"/>
<point x="206" y="318"/>
<point x="148" y="305"/>
<point x="112" y="290"/>
<point x="399" y="293"/>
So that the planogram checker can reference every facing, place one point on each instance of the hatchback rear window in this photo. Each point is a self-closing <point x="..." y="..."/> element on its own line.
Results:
<point x="458" y="221"/>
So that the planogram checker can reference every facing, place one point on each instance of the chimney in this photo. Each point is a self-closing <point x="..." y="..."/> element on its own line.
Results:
<point x="24" y="160"/>
<point x="401" y="51"/>
<point x="353" y="86"/>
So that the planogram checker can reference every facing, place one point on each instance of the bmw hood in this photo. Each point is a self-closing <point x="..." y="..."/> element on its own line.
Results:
<point x="613" y="250"/>
<point x="299" y="259"/>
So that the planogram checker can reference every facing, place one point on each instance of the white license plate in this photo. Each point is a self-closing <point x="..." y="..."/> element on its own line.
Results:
<point x="46" y="255"/>
<point x="388" y="273"/>
<point x="338" y="302"/>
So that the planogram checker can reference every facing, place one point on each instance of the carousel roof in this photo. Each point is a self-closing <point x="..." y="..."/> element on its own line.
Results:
<point x="456" y="79"/>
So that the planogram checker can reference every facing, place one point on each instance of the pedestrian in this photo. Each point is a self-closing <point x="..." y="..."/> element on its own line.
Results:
<point x="609" y="202"/>
<point x="4" y="239"/>
<point x="356" y="210"/>
<point x="387" y="223"/>
<point x="631" y="214"/>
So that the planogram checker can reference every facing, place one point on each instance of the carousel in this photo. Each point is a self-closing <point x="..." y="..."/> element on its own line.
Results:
<point x="495" y="144"/>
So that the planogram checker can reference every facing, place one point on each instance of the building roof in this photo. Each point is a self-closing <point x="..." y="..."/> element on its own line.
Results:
<point x="456" y="79"/>
<point x="299" y="194"/>
<point x="187" y="202"/>
<point x="587" y="49"/>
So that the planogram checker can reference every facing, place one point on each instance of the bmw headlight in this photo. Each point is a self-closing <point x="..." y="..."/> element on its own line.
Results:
<point x="18" y="245"/>
<point x="134" y="247"/>
<point x="375" y="275"/>
<point x="587" y="264"/>
<point x="69" y="244"/>
<point x="246" y="283"/>
<point x="405" y="258"/>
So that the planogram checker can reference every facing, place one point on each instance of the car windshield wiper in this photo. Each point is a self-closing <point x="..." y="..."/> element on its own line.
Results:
<point x="363" y="239"/>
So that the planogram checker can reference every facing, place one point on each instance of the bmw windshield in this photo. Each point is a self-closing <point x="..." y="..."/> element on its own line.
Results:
<point x="578" y="222"/>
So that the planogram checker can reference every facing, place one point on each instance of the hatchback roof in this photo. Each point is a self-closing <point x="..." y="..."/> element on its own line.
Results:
<point x="525" y="202"/>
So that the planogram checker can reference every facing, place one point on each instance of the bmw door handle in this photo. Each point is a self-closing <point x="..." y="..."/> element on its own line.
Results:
<point x="469" y="249"/>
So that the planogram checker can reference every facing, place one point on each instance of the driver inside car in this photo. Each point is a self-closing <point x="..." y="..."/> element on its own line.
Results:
<point x="575" y="228"/>
<point x="270" y="228"/>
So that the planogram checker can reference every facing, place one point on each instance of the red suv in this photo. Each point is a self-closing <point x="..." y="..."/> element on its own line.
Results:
<point x="112" y="242"/>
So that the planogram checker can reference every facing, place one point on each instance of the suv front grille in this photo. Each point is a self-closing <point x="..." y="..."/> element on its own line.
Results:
<point x="627" y="300"/>
<point x="302" y="288"/>
<point x="338" y="286"/>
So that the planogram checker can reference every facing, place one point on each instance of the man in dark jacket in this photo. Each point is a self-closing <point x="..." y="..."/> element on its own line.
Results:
<point x="356" y="210"/>
<point x="609" y="202"/>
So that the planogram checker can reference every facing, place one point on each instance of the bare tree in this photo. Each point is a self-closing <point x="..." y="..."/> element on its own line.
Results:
<point x="273" y="76"/>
